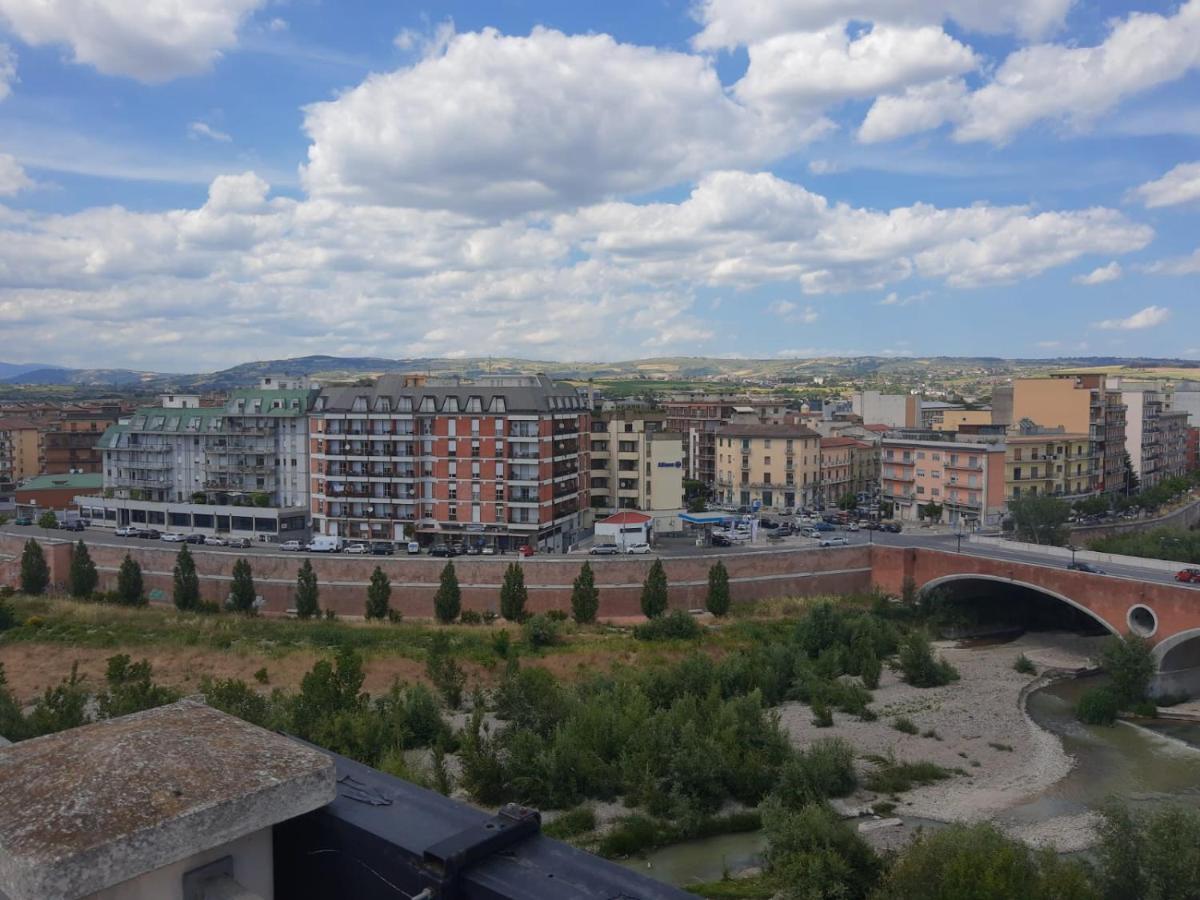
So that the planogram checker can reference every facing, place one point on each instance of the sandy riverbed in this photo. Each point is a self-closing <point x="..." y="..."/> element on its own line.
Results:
<point x="984" y="708"/>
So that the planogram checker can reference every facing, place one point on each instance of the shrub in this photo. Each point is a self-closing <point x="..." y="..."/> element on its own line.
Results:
<point x="630" y="836"/>
<point x="83" y="576"/>
<point x="822" y="715"/>
<point x="513" y="593"/>
<point x="557" y="615"/>
<point x="130" y="688"/>
<point x="541" y="631"/>
<point x="814" y="854"/>
<point x="447" y="602"/>
<point x="1130" y="663"/>
<point x="1025" y="665"/>
<point x="130" y="589"/>
<point x="654" y="591"/>
<point x="870" y="670"/>
<point x="1098" y="706"/>
<point x="242" y="594"/>
<point x="893" y="777"/>
<point x="825" y="769"/>
<point x="379" y="595"/>
<point x="447" y="676"/>
<point x="585" y="598"/>
<point x="716" y="601"/>
<point x="35" y="574"/>
<point x="572" y="823"/>
<point x="1153" y="854"/>
<point x="261" y="676"/>
<point x="59" y="708"/>
<point x="470" y="617"/>
<point x="8" y="619"/>
<point x="47" y="520"/>
<point x="501" y="644"/>
<point x="904" y="724"/>
<point x="676" y="625"/>
<point x="184" y="581"/>
<point x="919" y="666"/>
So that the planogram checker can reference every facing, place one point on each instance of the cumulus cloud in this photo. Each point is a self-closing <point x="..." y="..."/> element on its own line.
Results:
<point x="1180" y="265"/>
<point x="1180" y="185"/>
<point x="481" y="126"/>
<point x="1144" y="318"/>
<point x="204" y="130"/>
<point x="1101" y="275"/>
<point x="919" y="108"/>
<point x="152" y="42"/>
<point x="12" y="176"/>
<point x="8" y="70"/>
<point x="732" y="23"/>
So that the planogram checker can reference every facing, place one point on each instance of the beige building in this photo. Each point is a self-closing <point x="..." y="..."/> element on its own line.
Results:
<point x="22" y="450"/>
<point x="635" y="462"/>
<point x="1049" y="464"/>
<point x="848" y="466"/>
<point x="965" y="481"/>
<point x="954" y="419"/>
<point x="775" y="466"/>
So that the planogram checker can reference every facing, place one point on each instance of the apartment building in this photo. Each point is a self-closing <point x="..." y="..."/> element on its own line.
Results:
<point x="1047" y="463"/>
<point x="1154" y="431"/>
<point x="1173" y="427"/>
<point x="187" y="466"/>
<point x="894" y="410"/>
<point x="500" y="460"/>
<point x="965" y="479"/>
<point x="769" y="466"/>
<point x="71" y="442"/>
<point x="697" y="417"/>
<point x="1080" y="404"/>
<point x="956" y="419"/>
<point x="22" y="450"/>
<point x="635" y="463"/>
<point x="848" y="466"/>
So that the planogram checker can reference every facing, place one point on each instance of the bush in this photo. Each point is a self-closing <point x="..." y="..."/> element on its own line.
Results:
<point x="572" y="823"/>
<point x="8" y="619"/>
<point x="822" y="715"/>
<point x="919" y="666"/>
<point x="676" y="625"/>
<point x="1130" y="663"/>
<point x="904" y="724"/>
<point x="47" y="520"/>
<point x="1025" y="665"/>
<point x="814" y="854"/>
<point x="35" y="574"/>
<point x="1098" y="706"/>
<point x="870" y="670"/>
<point x="470" y="617"/>
<point x="585" y="598"/>
<point x="557" y="615"/>
<point x="893" y="777"/>
<point x="541" y="631"/>
<point x="130" y="688"/>
<point x="445" y="673"/>
<point x="1153" y="855"/>
<point x="631" y="836"/>
<point x="501" y="644"/>
<point x="825" y="769"/>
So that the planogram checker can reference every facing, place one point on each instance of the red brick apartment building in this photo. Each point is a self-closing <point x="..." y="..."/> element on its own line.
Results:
<point x="500" y="461"/>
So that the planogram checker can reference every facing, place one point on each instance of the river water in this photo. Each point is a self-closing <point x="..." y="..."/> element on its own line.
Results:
<point x="1143" y="765"/>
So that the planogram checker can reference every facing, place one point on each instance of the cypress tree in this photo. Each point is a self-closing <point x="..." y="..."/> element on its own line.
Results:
<point x="585" y="598"/>
<point x="379" y="593"/>
<point x="447" y="602"/>
<point x="130" y="589"/>
<point x="83" y="577"/>
<point x="513" y="593"/>
<point x="717" y="599"/>
<point x="35" y="574"/>
<point x="241" y="597"/>
<point x="654" y="591"/>
<point x="186" y="582"/>
<point x="307" y="593"/>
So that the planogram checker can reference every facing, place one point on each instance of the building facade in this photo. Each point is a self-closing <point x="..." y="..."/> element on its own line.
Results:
<point x="502" y="461"/>
<point x="772" y="466"/>
<point x="635" y="463"/>
<point x="1049" y="464"/>
<point x="72" y="442"/>
<point x="965" y="480"/>
<point x="22" y="450"/>
<point x="697" y="417"/>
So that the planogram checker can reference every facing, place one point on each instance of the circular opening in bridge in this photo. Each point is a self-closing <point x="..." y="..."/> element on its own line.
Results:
<point x="1142" y="620"/>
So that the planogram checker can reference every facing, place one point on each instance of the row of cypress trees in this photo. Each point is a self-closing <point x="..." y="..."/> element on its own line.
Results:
<point x="585" y="597"/>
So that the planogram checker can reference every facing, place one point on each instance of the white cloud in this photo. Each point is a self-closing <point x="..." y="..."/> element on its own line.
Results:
<point x="895" y="299"/>
<point x="920" y="108"/>
<point x="825" y="167"/>
<point x="1180" y="265"/>
<point x="793" y="312"/>
<point x="483" y="126"/>
<point x="732" y="23"/>
<point x="1101" y="275"/>
<point x="203" y="129"/>
<point x="8" y="70"/>
<point x="277" y="24"/>
<point x="12" y="177"/>
<point x="1145" y="318"/>
<point x="1180" y="185"/>
<point x="815" y="68"/>
<point x="152" y="42"/>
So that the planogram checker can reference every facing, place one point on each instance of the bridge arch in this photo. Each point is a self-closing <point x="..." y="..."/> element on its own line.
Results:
<point x="1034" y="588"/>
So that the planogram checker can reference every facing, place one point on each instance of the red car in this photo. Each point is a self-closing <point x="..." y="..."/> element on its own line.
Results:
<point x="526" y="550"/>
<point x="1188" y="575"/>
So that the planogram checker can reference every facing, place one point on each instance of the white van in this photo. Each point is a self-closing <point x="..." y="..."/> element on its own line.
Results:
<point x="323" y="543"/>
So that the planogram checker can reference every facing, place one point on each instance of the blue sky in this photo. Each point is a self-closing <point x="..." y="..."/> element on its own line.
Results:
<point x="197" y="184"/>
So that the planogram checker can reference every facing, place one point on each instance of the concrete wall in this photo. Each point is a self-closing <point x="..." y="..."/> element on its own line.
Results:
<point x="343" y="579"/>
<point x="1184" y="517"/>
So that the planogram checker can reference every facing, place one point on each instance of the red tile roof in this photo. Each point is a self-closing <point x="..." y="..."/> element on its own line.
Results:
<point x="627" y="517"/>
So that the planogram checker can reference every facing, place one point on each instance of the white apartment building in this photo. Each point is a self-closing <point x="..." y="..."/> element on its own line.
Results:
<point x="635" y="462"/>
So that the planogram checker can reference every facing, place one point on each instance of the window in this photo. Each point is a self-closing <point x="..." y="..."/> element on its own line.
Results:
<point x="452" y="427"/>
<point x="767" y="461"/>
<point x="745" y="445"/>
<point x="767" y="443"/>
<point x="920" y="454"/>
<point x="766" y="477"/>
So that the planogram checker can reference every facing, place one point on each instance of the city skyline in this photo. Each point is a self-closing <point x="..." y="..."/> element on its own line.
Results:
<point x="186" y="192"/>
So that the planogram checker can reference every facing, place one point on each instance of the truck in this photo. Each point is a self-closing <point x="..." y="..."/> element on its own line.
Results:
<point x="324" y="543"/>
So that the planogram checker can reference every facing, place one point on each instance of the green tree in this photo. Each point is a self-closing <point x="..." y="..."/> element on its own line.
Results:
<point x="931" y="511"/>
<point x="848" y="502"/>
<point x="35" y="574"/>
<point x="1130" y="483"/>
<point x="12" y="722"/>
<point x="447" y="602"/>
<point x="1039" y="519"/>
<point x="1093" y="505"/>
<point x="330" y="695"/>
<point x="59" y="708"/>
<point x="47" y="520"/>
<point x="1153" y="855"/>
<point x="308" y="594"/>
<point x="83" y="577"/>
<point x="445" y="673"/>
<point x="243" y="594"/>
<point x="716" y="601"/>
<point x="379" y="595"/>
<point x="585" y="597"/>
<point x="131" y="591"/>
<point x="654" y="591"/>
<point x="814" y="855"/>
<point x="1130" y="663"/>
<point x="920" y="667"/>
<point x="513" y="593"/>
<point x="185" y="582"/>
<point x="131" y="688"/>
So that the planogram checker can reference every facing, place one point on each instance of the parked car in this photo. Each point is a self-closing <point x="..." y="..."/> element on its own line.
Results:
<point x="324" y="543"/>
<point x="122" y="531"/>
<point x="291" y="546"/>
<point x="639" y="549"/>
<point x="474" y="550"/>
<point x="834" y="541"/>
<point x="526" y="550"/>
<point x="174" y="537"/>
<point x="809" y="532"/>
<point x="414" y="548"/>
<point x="784" y="531"/>
<point x="489" y="550"/>
<point x="823" y="526"/>
<point x="213" y="541"/>
<point x="604" y="550"/>
<point x="1085" y="567"/>
<point x="442" y="550"/>
<point x="356" y="549"/>
<point x="195" y="539"/>
<point x="240" y="543"/>
<point x="73" y="525"/>
<point x="382" y="548"/>
<point x="149" y="534"/>
<point x="892" y="527"/>
<point x="719" y="540"/>
<point x="853" y="526"/>
<point x="1188" y="575"/>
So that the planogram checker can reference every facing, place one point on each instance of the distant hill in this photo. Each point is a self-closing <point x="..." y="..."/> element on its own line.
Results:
<point x="86" y="377"/>
<point x="7" y="370"/>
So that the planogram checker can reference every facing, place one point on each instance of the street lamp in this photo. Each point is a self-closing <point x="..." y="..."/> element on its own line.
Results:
<point x="1072" y="548"/>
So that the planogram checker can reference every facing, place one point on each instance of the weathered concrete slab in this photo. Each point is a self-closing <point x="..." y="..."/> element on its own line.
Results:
<point x="96" y="806"/>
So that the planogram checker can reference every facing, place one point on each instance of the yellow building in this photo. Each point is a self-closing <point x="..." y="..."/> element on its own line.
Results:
<point x="774" y="466"/>
<point x="636" y="463"/>
<point x="954" y="419"/>
<point x="21" y="450"/>
<point x="1049" y="464"/>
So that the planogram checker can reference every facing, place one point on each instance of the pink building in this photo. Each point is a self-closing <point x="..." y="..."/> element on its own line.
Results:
<point x="965" y="480"/>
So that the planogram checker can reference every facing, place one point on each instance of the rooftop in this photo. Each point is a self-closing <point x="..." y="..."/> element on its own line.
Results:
<point x="75" y="482"/>
<point x="627" y="518"/>
<point x="760" y="430"/>
<point x="488" y="394"/>
<point x="96" y="806"/>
